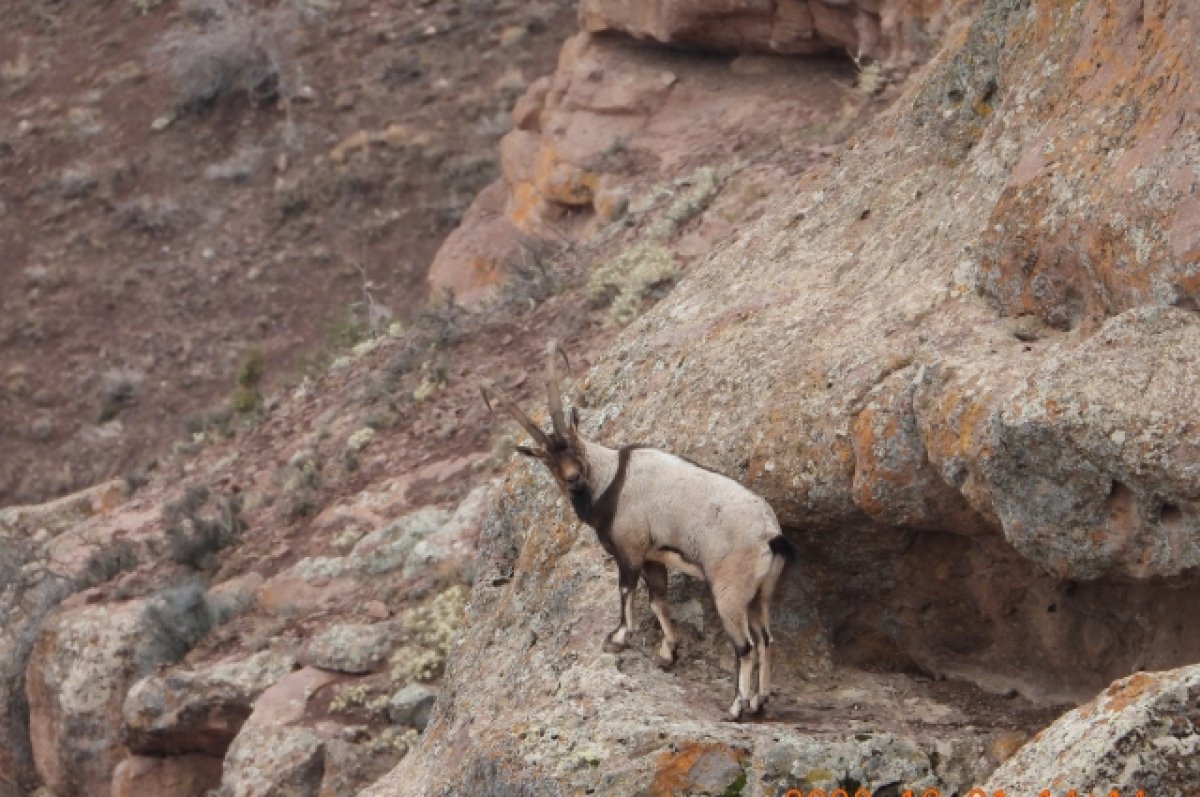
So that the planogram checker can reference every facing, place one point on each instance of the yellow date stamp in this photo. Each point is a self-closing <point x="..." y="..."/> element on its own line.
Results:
<point x="976" y="792"/>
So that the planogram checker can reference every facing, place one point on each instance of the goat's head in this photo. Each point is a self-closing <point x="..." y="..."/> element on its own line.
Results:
<point x="562" y="449"/>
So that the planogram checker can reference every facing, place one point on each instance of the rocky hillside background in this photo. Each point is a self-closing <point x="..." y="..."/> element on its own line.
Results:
<point x="203" y="201"/>
<point x="942" y="316"/>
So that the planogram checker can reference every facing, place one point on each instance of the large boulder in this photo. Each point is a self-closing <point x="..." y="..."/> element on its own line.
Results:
<point x="174" y="776"/>
<point x="980" y="490"/>
<point x="82" y="664"/>
<point x="1141" y="734"/>
<point x="47" y="552"/>
<point x="198" y="710"/>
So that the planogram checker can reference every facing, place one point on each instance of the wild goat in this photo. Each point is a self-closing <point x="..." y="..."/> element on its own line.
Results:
<point x="651" y="511"/>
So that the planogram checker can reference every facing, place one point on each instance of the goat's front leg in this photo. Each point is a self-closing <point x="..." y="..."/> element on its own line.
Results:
<point x="655" y="576"/>
<point x="627" y="579"/>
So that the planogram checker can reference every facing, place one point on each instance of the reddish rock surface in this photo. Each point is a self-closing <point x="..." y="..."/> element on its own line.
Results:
<point x="887" y="29"/>
<point x="177" y="776"/>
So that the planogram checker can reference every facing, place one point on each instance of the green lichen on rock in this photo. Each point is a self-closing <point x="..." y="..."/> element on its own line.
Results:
<point x="360" y="439"/>
<point x="428" y="632"/>
<point x="737" y="786"/>
<point x="630" y="277"/>
<point x="703" y="186"/>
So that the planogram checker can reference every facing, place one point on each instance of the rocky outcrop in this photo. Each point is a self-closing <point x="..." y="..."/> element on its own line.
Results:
<point x="612" y="134"/>
<point x="201" y="710"/>
<point x="1099" y="212"/>
<point x="617" y="117"/>
<point x="48" y="552"/>
<point x="1140" y="734"/>
<point x="175" y="776"/>
<point x="981" y="489"/>
<point x="83" y="662"/>
<point x="283" y="749"/>
<point x="879" y="29"/>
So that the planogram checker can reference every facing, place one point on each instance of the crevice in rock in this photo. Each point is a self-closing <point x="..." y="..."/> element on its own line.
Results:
<point x="970" y="608"/>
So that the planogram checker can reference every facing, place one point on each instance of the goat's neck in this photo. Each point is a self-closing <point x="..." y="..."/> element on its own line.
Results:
<point x="602" y="466"/>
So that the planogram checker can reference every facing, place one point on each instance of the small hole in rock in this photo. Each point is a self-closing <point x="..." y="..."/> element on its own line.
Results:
<point x="1170" y="515"/>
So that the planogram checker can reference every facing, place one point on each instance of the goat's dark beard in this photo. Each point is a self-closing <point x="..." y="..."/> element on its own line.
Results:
<point x="581" y="501"/>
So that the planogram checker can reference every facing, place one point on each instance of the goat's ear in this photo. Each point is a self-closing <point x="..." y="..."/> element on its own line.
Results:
<point x="529" y="452"/>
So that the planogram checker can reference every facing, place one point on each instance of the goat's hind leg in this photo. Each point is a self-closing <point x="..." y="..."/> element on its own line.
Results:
<point x="655" y="576"/>
<point x="627" y="579"/>
<point x="734" y="612"/>
<point x="760" y="627"/>
<point x="761" y="633"/>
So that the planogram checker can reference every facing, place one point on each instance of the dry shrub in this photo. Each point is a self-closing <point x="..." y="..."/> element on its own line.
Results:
<point x="196" y="529"/>
<point x="229" y="49"/>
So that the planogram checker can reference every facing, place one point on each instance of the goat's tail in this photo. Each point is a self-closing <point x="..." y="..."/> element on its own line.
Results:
<point x="781" y="547"/>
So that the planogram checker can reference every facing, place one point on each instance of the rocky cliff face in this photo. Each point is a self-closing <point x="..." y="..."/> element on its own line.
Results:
<point x="956" y="348"/>
<point x="961" y="364"/>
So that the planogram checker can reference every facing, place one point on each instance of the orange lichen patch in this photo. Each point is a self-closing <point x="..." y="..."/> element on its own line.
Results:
<point x="1006" y="745"/>
<point x="394" y="136"/>
<point x="1124" y="693"/>
<point x="962" y="418"/>
<point x="678" y="769"/>
<point x="523" y="206"/>
<point x="871" y="435"/>
<point x="562" y="182"/>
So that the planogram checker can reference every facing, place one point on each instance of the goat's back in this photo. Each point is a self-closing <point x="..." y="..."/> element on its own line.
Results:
<point x="673" y="502"/>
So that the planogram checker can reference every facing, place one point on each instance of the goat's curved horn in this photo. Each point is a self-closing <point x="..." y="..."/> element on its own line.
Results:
<point x="492" y="393"/>
<point x="554" y="396"/>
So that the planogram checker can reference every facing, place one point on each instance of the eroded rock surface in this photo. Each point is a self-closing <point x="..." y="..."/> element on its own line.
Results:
<point x="82" y="664"/>
<point x="1008" y="500"/>
<point x="887" y="29"/>
<point x="198" y="711"/>
<point x="1140" y="734"/>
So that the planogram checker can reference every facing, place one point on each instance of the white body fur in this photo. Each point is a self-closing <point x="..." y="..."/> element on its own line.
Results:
<point x="652" y="511"/>
<point x="677" y="514"/>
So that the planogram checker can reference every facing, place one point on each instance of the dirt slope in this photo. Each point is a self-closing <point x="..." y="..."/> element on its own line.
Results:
<point x="172" y="199"/>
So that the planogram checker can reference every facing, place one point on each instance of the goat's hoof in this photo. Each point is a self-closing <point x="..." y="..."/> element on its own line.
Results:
<point x="737" y="709"/>
<point x="612" y="646"/>
<point x="757" y="704"/>
<point x="665" y="662"/>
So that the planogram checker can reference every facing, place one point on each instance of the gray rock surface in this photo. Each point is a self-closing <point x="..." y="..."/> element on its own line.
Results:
<point x="198" y="711"/>
<point x="354" y="648"/>
<point x="1140" y="734"/>
<point x="274" y="761"/>
<point x="412" y="705"/>
<point x="1008" y="502"/>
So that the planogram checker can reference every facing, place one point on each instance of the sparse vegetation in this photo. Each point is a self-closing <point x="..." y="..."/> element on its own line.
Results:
<point x="703" y="186"/>
<point x="174" y="620"/>
<point x="246" y="397"/>
<point x="429" y="631"/>
<point x="444" y="320"/>
<point x="119" y="386"/>
<point x="192" y="535"/>
<point x="535" y="274"/>
<point x="634" y="275"/>
<point x="300" y="485"/>
<point x="871" y="79"/>
<point x="151" y="216"/>
<point x="228" y="49"/>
